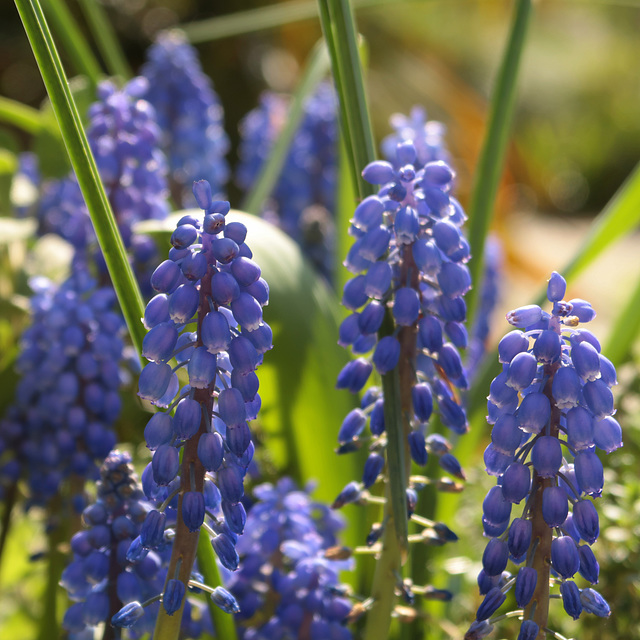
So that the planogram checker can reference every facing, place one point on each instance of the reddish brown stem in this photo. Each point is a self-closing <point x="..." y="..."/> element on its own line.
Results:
<point x="542" y="534"/>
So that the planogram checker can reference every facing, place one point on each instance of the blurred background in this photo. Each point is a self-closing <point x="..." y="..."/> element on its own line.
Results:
<point x="576" y="137"/>
<point x="576" y="134"/>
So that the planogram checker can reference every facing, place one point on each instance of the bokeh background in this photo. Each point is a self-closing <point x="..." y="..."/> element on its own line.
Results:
<point x="576" y="137"/>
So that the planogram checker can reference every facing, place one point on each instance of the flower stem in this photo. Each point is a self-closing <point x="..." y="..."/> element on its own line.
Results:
<point x="185" y="545"/>
<point x="542" y="534"/>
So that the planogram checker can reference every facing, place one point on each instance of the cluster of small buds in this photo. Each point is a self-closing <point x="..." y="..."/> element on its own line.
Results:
<point x="427" y="137"/>
<point x="285" y="586"/>
<point x="103" y="576"/>
<point x="409" y="259"/>
<point x="552" y="402"/>
<point x="125" y="139"/>
<point x="304" y="198"/>
<point x="61" y="210"/>
<point x="189" y="114"/>
<point x="207" y="315"/>
<point x="66" y="402"/>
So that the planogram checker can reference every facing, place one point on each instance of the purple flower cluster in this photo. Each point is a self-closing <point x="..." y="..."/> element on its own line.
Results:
<point x="285" y="586"/>
<point x="304" y="198"/>
<point x="552" y="403"/>
<point x="124" y="138"/>
<point x="407" y="305"/>
<point x="427" y="137"/>
<point x="188" y="113"/>
<point x="66" y="402"/>
<point x="104" y="574"/>
<point x="207" y="315"/>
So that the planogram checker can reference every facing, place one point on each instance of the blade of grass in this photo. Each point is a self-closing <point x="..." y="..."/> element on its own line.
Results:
<point x="346" y="201"/>
<point x="317" y="68"/>
<point x="625" y="330"/>
<point x="274" y="15"/>
<point x="492" y="156"/>
<point x="105" y="38"/>
<point x="20" y="115"/>
<point x="620" y="216"/>
<point x="64" y="106"/>
<point x="75" y="44"/>
<point x="339" y="31"/>
<point x="223" y="622"/>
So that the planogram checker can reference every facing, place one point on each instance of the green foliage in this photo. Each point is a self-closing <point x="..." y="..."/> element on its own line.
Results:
<point x="301" y="409"/>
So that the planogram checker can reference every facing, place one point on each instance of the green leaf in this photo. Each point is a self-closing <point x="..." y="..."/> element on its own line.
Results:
<point x="8" y="166"/>
<point x="625" y="330"/>
<point x="268" y="17"/>
<point x="75" y="44"/>
<point x="53" y="160"/>
<point x="105" y="37"/>
<point x="316" y="69"/>
<point x="20" y="115"/>
<point x="223" y="622"/>
<point x="338" y="28"/>
<point x="491" y="163"/>
<point x="620" y="216"/>
<point x="84" y="165"/>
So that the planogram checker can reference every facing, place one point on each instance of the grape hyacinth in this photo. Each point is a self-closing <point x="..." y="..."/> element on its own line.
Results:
<point x="60" y="427"/>
<point x="303" y="201"/>
<point x="125" y="139"/>
<point x="189" y="114"/>
<point x="286" y="586"/>
<point x="553" y="404"/>
<point x="107" y="583"/>
<point x="407" y="319"/>
<point x="207" y="314"/>
<point x="427" y="137"/>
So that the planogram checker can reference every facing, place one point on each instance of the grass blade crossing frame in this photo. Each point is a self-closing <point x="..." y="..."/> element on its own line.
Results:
<point x="85" y="167"/>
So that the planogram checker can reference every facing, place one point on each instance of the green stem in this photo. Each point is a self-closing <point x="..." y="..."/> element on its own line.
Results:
<point x="192" y="472"/>
<point x="20" y="115"/>
<point x="9" y="502"/>
<point x="339" y="31"/>
<point x="59" y="534"/>
<point x="75" y="44"/>
<point x="378" y="619"/>
<point x="270" y="171"/>
<point x="223" y="622"/>
<point x="84" y="165"/>
<point x="492" y="156"/>
<point x="106" y="39"/>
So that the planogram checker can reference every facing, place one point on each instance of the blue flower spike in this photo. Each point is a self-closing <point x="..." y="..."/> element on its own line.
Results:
<point x="113" y="577"/>
<point x="560" y="417"/>
<point x="406" y="297"/>
<point x="209" y="283"/>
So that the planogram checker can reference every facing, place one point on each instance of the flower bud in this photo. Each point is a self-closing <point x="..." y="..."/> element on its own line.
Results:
<point x="526" y="582"/>
<point x="172" y="597"/>
<point x="571" y="598"/>
<point x="564" y="557"/>
<point x="555" y="506"/>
